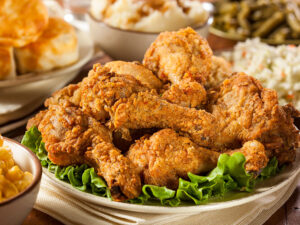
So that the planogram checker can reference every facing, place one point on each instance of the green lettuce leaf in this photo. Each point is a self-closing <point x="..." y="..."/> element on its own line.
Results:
<point x="229" y="175"/>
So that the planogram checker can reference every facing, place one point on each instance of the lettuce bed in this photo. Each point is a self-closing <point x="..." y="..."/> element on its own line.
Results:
<point x="229" y="175"/>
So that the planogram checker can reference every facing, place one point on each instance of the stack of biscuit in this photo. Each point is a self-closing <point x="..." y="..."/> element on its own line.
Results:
<point x="30" y="41"/>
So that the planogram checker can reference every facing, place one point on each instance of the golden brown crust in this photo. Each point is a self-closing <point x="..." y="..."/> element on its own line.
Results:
<point x="68" y="133"/>
<point x="138" y="71"/>
<point x="179" y="55"/>
<point x="118" y="171"/>
<point x="102" y="88"/>
<point x="166" y="156"/>
<point x="21" y="22"/>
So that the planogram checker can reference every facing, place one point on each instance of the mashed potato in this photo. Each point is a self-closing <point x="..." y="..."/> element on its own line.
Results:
<point x="150" y="15"/>
<point x="277" y="68"/>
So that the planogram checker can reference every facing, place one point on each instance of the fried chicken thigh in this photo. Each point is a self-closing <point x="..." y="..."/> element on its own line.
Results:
<point x="166" y="156"/>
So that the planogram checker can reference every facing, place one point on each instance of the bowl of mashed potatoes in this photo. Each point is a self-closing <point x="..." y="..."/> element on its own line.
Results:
<point x="20" y="176"/>
<point x="126" y="28"/>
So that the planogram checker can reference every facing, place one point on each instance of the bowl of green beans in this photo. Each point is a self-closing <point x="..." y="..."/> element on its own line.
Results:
<point x="273" y="21"/>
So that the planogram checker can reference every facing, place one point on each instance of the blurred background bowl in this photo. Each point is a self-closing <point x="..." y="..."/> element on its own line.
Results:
<point x="14" y="210"/>
<point x="125" y="44"/>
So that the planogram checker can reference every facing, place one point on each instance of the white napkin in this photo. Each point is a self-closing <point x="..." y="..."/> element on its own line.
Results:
<point x="69" y="210"/>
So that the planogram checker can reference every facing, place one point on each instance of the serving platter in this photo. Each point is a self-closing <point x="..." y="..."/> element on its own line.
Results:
<point x="264" y="189"/>
<point x="235" y="37"/>
<point x="86" y="50"/>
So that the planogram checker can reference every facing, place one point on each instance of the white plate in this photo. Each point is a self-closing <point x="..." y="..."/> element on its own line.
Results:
<point x="85" y="54"/>
<point x="288" y="175"/>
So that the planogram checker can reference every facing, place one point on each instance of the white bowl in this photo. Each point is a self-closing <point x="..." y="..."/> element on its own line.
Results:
<point x="14" y="210"/>
<point x="125" y="44"/>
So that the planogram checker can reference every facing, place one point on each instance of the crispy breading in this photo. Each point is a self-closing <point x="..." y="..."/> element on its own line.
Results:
<point x="186" y="93"/>
<point x="166" y="156"/>
<point x="102" y="88"/>
<point x="175" y="56"/>
<point x="118" y="171"/>
<point x="137" y="70"/>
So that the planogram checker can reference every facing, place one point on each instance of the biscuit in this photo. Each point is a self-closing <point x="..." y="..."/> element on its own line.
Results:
<point x="56" y="47"/>
<point x="7" y="63"/>
<point x="21" y="22"/>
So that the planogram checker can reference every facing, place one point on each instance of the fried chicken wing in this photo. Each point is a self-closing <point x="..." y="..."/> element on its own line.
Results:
<point x="166" y="156"/>
<point x="183" y="58"/>
<point x="73" y="138"/>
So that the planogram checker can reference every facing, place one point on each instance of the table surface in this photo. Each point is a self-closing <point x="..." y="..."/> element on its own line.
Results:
<point x="288" y="214"/>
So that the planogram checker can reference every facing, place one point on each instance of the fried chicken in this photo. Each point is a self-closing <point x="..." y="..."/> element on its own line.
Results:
<point x="102" y="88"/>
<point x="241" y="111"/>
<point x="188" y="98"/>
<point x="118" y="171"/>
<point x="166" y="156"/>
<point x="73" y="138"/>
<point x="177" y="57"/>
<point x="247" y="111"/>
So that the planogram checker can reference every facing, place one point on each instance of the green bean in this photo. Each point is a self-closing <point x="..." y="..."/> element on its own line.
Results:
<point x="269" y="24"/>
<point x="243" y="15"/>
<point x="280" y="34"/>
<point x="293" y="22"/>
<point x="256" y="25"/>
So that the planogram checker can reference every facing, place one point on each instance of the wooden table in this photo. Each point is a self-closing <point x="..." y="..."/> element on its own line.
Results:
<point x="288" y="214"/>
